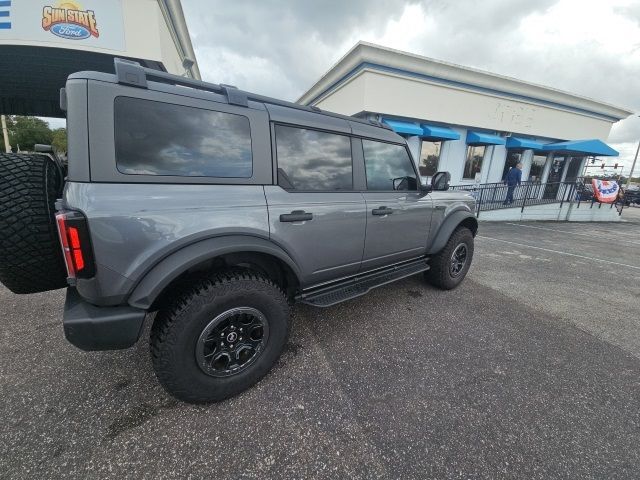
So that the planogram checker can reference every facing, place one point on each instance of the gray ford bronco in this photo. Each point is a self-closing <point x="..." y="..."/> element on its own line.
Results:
<point x="217" y="209"/>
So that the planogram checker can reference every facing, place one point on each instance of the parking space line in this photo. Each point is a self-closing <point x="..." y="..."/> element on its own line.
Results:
<point x="559" y="252"/>
<point x="602" y="237"/>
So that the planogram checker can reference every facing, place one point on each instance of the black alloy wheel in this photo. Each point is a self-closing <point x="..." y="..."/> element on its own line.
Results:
<point x="232" y="341"/>
<point x="458" y="260"/>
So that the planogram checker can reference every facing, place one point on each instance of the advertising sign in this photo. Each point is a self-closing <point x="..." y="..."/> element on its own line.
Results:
<point x="64" y="23"/>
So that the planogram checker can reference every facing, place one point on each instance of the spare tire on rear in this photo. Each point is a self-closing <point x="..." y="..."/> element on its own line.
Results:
<point x="30" y="253"/>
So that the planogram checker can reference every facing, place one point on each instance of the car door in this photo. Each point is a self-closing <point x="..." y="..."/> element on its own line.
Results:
<point x="398" y="215"/>
<point x="314" y="212"/>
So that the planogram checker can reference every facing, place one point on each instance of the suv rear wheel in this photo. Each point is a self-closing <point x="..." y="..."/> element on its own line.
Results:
<point x="451" y="264"/>
<point x="220" y="337"/>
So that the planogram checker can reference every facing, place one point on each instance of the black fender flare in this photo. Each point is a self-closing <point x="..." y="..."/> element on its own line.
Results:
<point x="451" y="222"/>
<point x="178" y="262"/>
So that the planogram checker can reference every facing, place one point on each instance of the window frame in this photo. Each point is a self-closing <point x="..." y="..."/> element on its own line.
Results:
<point x="543" y="166"/>
<point x="276" y="160"/>
<point x="411" y="162"/>
<point x="466" y="157"/>
<point x="251" y="149"/>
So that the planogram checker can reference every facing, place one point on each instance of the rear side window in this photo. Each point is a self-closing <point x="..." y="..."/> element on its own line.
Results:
<point x="388" y="166"/>
<point x="312" y="160"/>
<point x="155" y="138"/>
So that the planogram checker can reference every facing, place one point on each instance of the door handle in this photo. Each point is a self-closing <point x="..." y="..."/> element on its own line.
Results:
<point x="382" y="211"/>
<point x="296" y="216"/>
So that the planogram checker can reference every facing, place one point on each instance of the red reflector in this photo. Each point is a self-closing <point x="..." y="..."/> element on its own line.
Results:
<point x="74" y="237"/>
<point x="63" y="234"/>
<point x="62" y="230"/>
<point x="77" y="259"/>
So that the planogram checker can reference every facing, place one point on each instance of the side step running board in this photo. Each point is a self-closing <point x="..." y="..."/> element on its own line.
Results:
<point x="361" y="284"/>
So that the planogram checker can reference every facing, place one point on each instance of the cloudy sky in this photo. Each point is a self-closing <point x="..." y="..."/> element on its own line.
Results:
<point x="281" y="47"/>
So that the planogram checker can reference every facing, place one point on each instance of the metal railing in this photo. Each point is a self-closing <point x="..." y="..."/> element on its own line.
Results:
<point x="495" y="196"/>
<point x="584" y="195"/>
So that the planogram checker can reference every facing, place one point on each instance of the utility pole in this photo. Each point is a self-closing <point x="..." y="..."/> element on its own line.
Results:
<point x="5" y="134"/>
<point x="632" y="167"/>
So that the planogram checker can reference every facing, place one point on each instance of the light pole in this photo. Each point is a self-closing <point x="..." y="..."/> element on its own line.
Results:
<point x="633" y="165"/>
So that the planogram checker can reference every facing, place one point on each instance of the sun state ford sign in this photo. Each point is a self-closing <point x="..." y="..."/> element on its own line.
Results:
<point x="71" y="24"/>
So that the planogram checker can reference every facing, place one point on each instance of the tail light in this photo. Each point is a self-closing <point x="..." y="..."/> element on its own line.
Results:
<point x="76" y="244"/>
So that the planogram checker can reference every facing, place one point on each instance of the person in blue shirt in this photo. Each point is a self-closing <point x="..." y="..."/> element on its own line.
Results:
<point x="512" y="180"/>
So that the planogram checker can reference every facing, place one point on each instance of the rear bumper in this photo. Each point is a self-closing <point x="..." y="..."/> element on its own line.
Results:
<point x="89" y="327"/>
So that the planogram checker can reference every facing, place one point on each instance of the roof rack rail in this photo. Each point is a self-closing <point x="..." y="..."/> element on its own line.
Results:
<point x="380" y="124"/>
<point x="129" y="72"/>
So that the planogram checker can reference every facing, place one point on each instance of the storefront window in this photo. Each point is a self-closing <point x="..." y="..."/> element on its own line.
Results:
<point x="473" y="162"/>
<point x="429" y="158"/>
<point x="537" y="168"/>
<point x="513" y="158"/>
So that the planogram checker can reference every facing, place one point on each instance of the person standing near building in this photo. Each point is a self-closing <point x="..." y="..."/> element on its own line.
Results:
<point x="512" y="180"/>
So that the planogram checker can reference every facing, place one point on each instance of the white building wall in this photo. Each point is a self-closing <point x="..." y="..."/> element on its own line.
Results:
<point x="350" y="98"/>
<point x="396" y="96"/>
<point x="452" y="157"/>
<point x="494" y="164"/>
<point x="415" y="98"/>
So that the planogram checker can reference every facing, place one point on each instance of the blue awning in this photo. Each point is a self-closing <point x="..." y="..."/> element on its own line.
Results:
<point x="432" y="132"/>
<point x="479" y="138"/>
<point x="408" y="128"/>
<point x="582" y="147"/>
<point x="525" y="143"/>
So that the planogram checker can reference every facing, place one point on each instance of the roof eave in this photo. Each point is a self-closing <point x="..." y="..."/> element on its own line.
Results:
<point x="366" y="52"/>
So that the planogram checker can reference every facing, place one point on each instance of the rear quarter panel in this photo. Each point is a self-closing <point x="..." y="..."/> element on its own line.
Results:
<point x="133" y="226"/>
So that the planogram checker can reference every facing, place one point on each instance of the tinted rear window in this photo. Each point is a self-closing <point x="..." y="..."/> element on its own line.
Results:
<point x="312" y="160"/>
<point x="154" y="138"/>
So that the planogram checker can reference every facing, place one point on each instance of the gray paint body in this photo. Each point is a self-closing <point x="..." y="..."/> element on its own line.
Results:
<point x="146" y="230"/>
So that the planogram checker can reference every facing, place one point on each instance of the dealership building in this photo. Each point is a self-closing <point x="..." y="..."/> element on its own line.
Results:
<point x="43" y="41"/>
<point x="472" y="123"/>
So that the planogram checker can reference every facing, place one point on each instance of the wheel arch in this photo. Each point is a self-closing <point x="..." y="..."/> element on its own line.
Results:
<point x="214" y="253"/>
<point x="454" y="220"/>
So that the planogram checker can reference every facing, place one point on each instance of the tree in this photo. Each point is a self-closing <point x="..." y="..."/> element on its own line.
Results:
<point x="25" y="132"/>
<point x="59" y="140"/>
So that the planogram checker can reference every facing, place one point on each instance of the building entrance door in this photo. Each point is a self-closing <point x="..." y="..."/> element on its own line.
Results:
<point x="573" y="169"/>
<point x="555" y="175"/>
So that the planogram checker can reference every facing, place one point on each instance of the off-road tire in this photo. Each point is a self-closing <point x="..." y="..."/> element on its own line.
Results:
<point x="30" y="254"/>
<point x="440" y="274"/>
<point x="176" y="330"/>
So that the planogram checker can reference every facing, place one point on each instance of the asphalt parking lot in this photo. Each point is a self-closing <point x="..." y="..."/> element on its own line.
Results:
<point x="531" y="369"/>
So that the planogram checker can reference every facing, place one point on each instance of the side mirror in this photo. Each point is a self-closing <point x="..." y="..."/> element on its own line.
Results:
<point x="405" y="183"/>
<point x="400" y="183"/>
<point x="440" y="181"/>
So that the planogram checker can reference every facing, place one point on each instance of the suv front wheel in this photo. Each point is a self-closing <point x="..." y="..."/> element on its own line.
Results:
<point x="220" y="337"/>
<point x="451" y="264"/>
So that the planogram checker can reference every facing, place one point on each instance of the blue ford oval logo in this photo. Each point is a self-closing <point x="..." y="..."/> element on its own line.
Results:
<point x="70" y="31"/>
